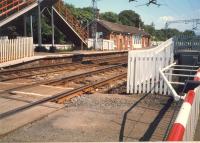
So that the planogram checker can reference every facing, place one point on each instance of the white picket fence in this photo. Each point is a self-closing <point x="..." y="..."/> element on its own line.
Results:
<point x="12" y="49"/>
<point x="143" y="68"/>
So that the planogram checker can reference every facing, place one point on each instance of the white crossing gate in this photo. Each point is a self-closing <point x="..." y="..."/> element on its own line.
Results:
<point x="144" y="66"/>
<point x="12" y="49"/>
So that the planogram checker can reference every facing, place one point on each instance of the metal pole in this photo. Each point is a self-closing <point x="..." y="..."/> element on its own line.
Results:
<point x="52" y="26"/>
<point x="166" y="27"/>
<point x="39" y="26"/>
<point x="25" y="27"/>
<point x="94" y="23"/>
<point x="31" y="24"/>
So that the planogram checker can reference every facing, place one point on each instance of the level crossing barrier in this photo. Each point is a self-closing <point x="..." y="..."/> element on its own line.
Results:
<point x="185" y="124"/>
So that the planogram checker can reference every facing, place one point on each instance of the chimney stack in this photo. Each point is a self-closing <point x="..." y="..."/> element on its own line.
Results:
<point x="97" y="14"/>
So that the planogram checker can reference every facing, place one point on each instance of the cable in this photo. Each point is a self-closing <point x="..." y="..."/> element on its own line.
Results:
<point x="172" y="9"/>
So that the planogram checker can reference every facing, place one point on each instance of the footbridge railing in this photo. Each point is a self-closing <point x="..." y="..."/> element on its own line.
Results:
<point x="69" y="17"/>
<point x="8" y="7"/>
<point x="143" y="68"/>
<point x="12" y="49"/>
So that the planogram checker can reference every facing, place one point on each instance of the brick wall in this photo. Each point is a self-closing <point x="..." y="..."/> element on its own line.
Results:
<point x="122" y="41"/>
<point x="145" y="41"/>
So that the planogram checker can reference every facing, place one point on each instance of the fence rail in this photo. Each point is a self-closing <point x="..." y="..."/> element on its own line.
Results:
<point x="143" y="68"/>
<point x="12" y="49"/>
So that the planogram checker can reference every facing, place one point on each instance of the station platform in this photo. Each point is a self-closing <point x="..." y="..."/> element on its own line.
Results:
<point x="43" y="55"/>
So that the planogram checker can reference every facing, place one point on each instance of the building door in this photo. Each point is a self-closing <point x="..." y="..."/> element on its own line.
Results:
<point x="120" y="44"/>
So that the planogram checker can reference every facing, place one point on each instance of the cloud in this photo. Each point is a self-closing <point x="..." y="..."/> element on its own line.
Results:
<point x="166" y="18"/>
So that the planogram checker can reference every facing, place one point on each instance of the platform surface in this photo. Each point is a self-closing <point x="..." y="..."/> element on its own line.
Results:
<point x="42" y="55"/>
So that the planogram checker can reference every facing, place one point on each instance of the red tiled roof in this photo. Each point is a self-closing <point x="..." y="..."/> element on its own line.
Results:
<point x="115" y="27"/>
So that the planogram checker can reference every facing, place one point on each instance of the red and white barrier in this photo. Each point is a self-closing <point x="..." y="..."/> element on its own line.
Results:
<point x="185" y="124"/>
<point x="179" y="127"/>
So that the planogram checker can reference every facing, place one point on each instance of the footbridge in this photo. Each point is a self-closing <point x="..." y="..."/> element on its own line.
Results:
<point x="171" y="69"/>
<point x="59" y="16"/>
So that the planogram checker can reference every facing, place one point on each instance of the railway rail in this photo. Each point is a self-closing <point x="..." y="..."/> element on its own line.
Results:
<point x="65" y="95"/>
<point x="12" y="74"/>
<point x="65" y="79"/>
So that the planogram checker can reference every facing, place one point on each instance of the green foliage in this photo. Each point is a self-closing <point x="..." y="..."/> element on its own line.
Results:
<point x="150" y="29"/>
<point x="130" y="18"/>
<point x="189" y="32"/>
<point x="163" y="34"/>
<point x="46" y="30"/>
<point x="84" y="15"/>
<point x="110" y="16"/>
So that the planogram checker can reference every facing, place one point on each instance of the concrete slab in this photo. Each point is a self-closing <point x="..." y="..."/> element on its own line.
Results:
<point x="95" y="117"/>
<point x="20" y="119"/>
<point x="41" y="91"/>
<point x="9" y="102"/>
<point x="9" y="85"/>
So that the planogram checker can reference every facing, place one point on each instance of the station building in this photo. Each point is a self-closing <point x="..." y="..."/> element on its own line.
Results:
<point x="124" y="37"/>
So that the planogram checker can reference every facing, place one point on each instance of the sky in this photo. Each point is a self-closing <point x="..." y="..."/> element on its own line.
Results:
<point x="169" y="10"/>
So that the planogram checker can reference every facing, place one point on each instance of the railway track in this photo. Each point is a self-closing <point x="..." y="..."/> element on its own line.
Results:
<point x="115" y="66"/>
<point x="65" y="95"/>
<point x="12" y="74"/>
<point x="65" y="79"/>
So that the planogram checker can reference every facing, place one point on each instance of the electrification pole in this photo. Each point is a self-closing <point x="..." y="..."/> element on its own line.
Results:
<point x="195" y="23"/>
<point x="94" y="24"/>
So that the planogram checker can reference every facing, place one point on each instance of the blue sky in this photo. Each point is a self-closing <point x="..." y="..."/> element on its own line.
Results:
<point x="170" y="10"/>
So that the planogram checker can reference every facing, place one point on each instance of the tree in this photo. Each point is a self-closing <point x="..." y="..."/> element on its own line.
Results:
<point x="150" y="29"/>
<point x="189" y="32"/>
<point x="110" y="16"/>
<point x="130" y="18"/>
<point x="84" y="15"/>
